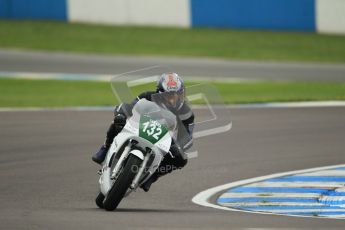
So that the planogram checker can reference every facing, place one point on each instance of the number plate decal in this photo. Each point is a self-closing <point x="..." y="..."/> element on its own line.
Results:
<point x="151" y="130"/>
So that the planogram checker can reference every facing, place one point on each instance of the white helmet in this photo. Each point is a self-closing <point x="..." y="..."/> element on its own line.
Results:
<point x="172" y="88"/>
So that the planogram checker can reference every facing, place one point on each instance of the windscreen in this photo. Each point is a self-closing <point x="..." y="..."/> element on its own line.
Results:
<point x="151" y="109"/>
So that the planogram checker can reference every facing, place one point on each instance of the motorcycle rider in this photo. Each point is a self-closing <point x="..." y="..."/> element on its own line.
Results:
<point x="174" y="92"/>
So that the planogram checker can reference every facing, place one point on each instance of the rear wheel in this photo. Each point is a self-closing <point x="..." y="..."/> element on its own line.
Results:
<point x="124" y="180"/>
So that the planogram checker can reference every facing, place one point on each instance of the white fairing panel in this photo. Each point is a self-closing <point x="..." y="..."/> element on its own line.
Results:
<point x="164" y="143"/>
<point x="131" y="132"/>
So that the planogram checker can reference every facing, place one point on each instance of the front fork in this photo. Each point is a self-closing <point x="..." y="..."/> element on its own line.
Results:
<point x="123" y="156"/>
<point x="142" y="167"/>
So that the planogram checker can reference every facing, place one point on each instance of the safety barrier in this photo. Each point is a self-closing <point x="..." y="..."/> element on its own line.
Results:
<point x="326" y="16"/>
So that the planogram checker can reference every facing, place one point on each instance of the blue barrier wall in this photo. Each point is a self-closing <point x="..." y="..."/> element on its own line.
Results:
<point x="257" y="14"/>
<point x="303" y="15"/>
<point x="33" y="9"/>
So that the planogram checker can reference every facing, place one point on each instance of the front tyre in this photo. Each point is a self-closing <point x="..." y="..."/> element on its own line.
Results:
<point x="124" y="180"/>
<point x="99" y="200"/>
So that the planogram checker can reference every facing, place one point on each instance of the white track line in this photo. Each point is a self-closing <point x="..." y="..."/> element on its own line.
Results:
<point x="302" y="104"/>
<point x="269" y="195"/>
<point x="240" y="204"/>
<point x="301" y="210"/>
<point x="299" y="184"/>
<point x="326" y="173"/>
<point x="316" y="104"/>
<point x="336" y="217"/>
<point x="203" y="198"/>
<point x="47" y="109"/>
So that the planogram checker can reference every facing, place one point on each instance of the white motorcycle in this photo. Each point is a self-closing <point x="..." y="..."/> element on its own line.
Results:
<point x="136" y="152"/>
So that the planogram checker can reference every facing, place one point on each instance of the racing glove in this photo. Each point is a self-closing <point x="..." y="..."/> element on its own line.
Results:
<point x="120" y="120"/>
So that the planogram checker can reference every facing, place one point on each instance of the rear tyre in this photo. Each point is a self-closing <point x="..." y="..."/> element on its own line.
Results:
<point x="99" y="200"/>
<point x="124" y="180"/>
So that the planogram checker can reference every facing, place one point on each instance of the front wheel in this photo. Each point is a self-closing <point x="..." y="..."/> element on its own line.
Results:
<point x="124" y="180"/>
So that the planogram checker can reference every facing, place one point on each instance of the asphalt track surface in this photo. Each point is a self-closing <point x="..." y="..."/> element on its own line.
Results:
<point x="49" y="182"/>
<point x="19" y="61"/>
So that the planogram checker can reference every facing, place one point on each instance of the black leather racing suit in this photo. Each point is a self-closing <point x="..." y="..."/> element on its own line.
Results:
<point x="184" y="115"/>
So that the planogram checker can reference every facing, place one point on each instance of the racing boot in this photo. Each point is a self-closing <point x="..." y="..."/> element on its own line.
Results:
<point x="99" y="156"/>
<point x="146" y="186"/>
<point x="168" y="165"/>
<point x="114" y="128"/>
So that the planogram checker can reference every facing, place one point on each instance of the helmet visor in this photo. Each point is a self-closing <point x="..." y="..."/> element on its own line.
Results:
<point x="172" y="100"/>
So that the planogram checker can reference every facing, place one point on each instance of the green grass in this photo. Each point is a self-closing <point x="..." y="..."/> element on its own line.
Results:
<point x="217" y="43"/>
<point x="56" y="93"/>
<point x="281" y="92"/>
